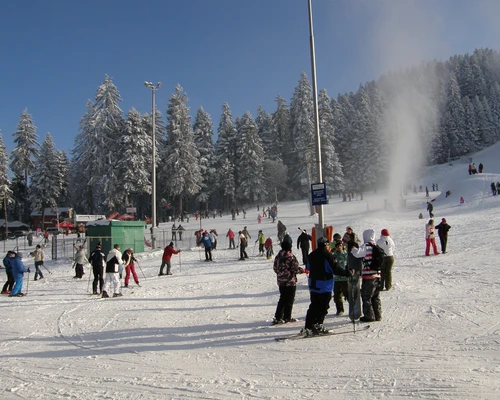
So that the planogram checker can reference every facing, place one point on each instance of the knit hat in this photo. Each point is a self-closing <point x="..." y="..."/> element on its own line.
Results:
<point x="171" y="244"/>
<point x="287" y="238"/>
<point x="322" y="242"/>
<point x="443" y="220"/>
<point x="385" y="232"/>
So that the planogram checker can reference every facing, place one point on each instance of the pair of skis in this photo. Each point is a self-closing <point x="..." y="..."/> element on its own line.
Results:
<point x="339" y="330"/>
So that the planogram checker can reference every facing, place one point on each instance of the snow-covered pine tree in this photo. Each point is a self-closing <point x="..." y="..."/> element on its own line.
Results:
<point x="281" y="131"/>
<point x="135" y="164"/>
<point x="63" y="168"/>
<point x="332" y="169"/>
<point x="301" y="159"/>
<point x="264" y="123"/>
<point x="250" y="158"/>
<point x="225" y="154"/>
<point x="203" y="132"/>
<point x="24" y="156"/>
<point x="5" y="190"/>
<point x="180" y="162"/>
<point x="470" y="124"/>
<point x="46" y="184"/>
<point x="452" y="122"/>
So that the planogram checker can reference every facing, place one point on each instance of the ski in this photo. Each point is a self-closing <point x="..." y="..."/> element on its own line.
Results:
<point x="330" y="333"/>
<point x="354" y="288"/>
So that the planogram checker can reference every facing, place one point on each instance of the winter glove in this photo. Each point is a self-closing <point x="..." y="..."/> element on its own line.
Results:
<point x="350" y="273"/>
<point x="29" y="270"/>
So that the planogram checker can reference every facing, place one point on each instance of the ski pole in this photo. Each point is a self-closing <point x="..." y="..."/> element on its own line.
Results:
<point x="141" y="270"/>
<point x="253" y="251"/>
<point x="90" y="275"/>
<point x="43" y="265"/>
<point x="28" y="283"/>
<point x="180" y="263"/>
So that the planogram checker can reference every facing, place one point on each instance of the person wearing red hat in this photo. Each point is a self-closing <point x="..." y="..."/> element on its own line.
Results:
<point x="388" y="246"/>
<point x="443" y="229"/>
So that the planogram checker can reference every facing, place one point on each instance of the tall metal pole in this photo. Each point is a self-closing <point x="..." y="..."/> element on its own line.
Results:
<point x="153" y="194"/>
<point x="154" y="228"/>
<point x="321" y="220"/>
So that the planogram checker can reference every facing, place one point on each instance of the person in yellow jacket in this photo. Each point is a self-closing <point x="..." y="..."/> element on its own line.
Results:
<point x="261" y="239"/>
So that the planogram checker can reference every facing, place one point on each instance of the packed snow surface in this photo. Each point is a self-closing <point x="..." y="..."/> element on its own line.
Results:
<point x="204" y="332"/>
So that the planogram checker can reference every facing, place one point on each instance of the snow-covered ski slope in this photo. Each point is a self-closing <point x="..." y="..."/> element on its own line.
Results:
<point x="202" y="333"/>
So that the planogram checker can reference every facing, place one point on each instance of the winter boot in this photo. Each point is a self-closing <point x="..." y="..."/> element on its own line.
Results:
<point x="117" y="294"/>
<point x="105" y="294"/>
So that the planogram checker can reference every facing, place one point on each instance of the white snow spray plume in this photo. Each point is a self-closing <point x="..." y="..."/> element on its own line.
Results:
<point x="405" y="35"/>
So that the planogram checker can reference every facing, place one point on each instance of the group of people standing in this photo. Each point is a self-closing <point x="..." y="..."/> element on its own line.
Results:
<point x="329" y="268"/>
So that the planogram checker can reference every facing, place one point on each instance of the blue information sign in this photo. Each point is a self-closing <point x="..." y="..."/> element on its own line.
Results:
<point x="318" y="194"/>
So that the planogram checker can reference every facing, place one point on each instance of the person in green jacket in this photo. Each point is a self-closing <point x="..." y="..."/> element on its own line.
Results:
<point x="340" y="287"/>
<point x="261" y="239"/>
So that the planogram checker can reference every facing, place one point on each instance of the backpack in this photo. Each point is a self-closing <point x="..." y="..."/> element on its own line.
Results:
<point x="378" y="255"/>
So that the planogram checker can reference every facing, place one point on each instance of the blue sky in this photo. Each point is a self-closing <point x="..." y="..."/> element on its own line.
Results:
<point x="55" y="53"/>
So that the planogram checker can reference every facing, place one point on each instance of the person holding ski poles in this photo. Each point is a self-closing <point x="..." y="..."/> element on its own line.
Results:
<point x="128" y="261"/>
<point x="113" y="261"/>
<point x="167" y="255"/>
<point x="322" y="267"/>
<point x="7" y="263"/>
<point x="98" y="261"/>
<point x="303" y="244"/>
<point x="18" y="270"/>
<point x="261" y="239"/>
<point x="80" y="261"/>
<point x="39" y="255"/>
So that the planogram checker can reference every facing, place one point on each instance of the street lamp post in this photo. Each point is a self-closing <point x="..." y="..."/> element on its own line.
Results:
<point x="153" y="177"/>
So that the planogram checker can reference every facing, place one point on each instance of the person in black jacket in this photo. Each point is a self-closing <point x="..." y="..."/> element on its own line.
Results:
<point x="97" y="260"/>
<point x="443" y="229"/>
<point x="303" y="244"/>
<point x="430" y="208"/>
<point x="321" y="266"/>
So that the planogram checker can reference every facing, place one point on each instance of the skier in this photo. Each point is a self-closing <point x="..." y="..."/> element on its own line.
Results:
<point x="443" y="229"/>
<point x="128" y="261"/>
<point x="180" y="229"/>
<point x="303" y="245"/>
<point x="430" y="208"/>
<point x="30" y="239"/>
<point x="7" y="263"/>
<point x="213" y="237"/>
<point x="80" y="261"/>
<point x="97" y="260"/>
<point x="243" y="244"/>
<point x="429" y="238"/>
<point x="268" y="245"/>
<point x="493" y="188"/>
<point x="321" y="266"/>
<point x="286" y="268"/>
<point x="261" y="239"/>
<point x="370" y="287"/>
<point x="230" y="236"/>
<point x="207" y="243"/>
<point x="481" y="168"/>
<point x="245" y="232"/>
<point x="167" y="256"/>
<point x="387" y="244"/>
<point x="18" y="270"/>
<point x="39" y="256"/>
<point x="113" y="261"/>
<point x="281" y="231"/>
<point x="340" y="289"/>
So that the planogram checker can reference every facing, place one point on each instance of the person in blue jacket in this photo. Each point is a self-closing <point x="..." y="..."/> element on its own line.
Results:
<point x="322" y="267"/>
<point x="207" y="243"/>
<point x="18" y="270"/>
<point x="7" y="263"/>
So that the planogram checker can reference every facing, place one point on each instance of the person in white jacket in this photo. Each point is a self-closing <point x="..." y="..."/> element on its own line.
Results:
<point x="113" y="261"/>
<point x="387" y="244"/>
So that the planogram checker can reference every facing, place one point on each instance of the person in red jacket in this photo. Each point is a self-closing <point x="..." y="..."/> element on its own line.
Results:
<point x="230" y="235"/>
<point x="165" y="260"/>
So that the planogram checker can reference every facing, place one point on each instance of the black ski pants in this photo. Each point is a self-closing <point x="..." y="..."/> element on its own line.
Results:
<point x="208" y="254"/>
<point x="340" y="291"/>
<point x="9" y="283"/>
<point x="444" y="242"/>
<point x="305" y="253"/>
<point x="318" y="309"/>
<point x="370" y="294"/>
<point x="243" y="253"/>
<point x="285" y="303"/>
<point x="98" y="278"/>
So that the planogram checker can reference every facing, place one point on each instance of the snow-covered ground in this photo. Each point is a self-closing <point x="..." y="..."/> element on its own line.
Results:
<point x="204" y="332"/>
